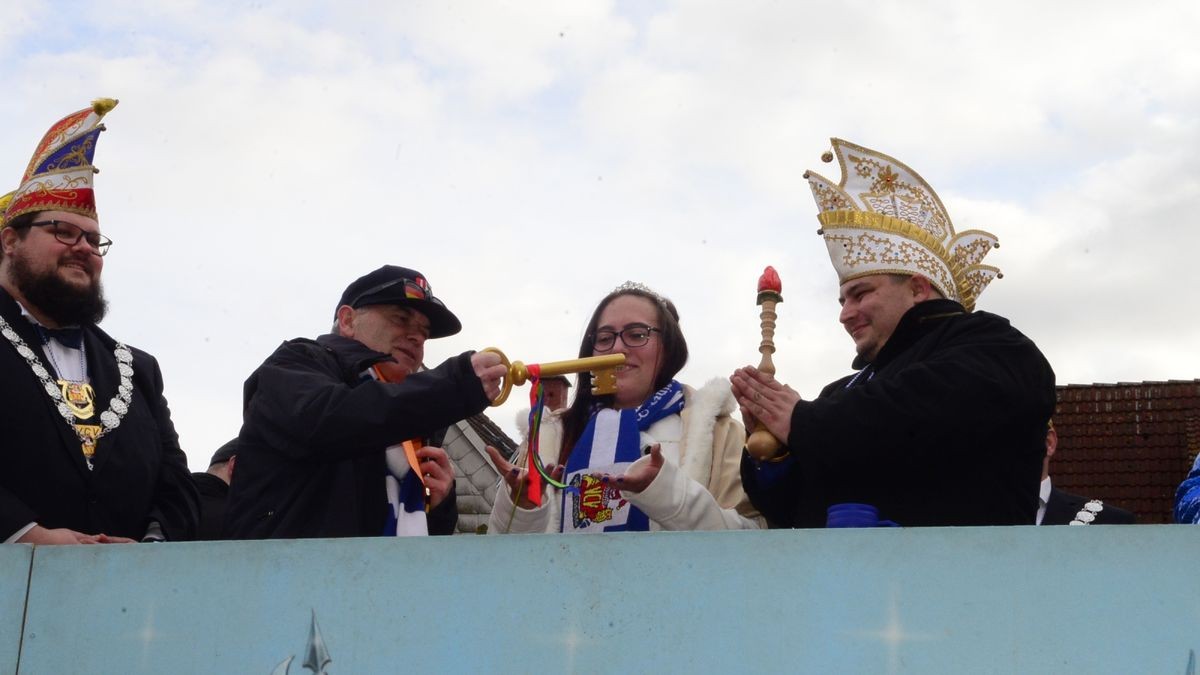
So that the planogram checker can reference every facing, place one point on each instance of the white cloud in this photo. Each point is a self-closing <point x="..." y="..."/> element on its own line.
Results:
<point x="529" y="157"/>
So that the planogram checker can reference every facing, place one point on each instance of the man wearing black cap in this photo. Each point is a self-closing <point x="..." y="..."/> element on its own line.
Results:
<point x="334" y="427"/>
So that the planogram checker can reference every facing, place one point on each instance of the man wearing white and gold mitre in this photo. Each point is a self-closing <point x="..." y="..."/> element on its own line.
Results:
<point x="944" y="421"/>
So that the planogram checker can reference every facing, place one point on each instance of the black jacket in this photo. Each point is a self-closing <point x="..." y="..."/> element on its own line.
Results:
<point x="311" y="450"/>
<point x="214" y="493"/>
<point x="946" y="427"/>
<point x="140" y="473"/>
<point x="1062" y="507"/>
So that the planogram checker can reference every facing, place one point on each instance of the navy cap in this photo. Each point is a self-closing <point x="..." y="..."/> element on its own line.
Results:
<point x="391" y="285"/>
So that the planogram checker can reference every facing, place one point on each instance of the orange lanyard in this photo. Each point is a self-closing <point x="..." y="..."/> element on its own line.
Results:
<point x="410" y="447"/>
<point x="410" y="451"/>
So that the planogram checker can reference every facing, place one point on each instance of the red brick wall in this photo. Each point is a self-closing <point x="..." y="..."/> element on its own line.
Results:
<point x="1129" y="444"/>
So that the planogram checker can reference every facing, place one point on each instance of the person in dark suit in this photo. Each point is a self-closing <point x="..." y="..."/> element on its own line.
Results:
<point x="213" y="486"/>
<point x="1063" y="508"/>
<point x="89" y="454"/>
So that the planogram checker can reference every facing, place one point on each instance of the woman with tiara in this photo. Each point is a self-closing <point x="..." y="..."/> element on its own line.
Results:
<point x="655" y="455"/>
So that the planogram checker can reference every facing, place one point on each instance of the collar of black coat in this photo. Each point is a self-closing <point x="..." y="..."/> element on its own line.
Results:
<point x="353" y="355"/>
<point x="916" y="323"/>
<point x="210" y="485"/>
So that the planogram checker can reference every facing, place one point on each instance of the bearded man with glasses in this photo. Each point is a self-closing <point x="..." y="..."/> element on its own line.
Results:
<point x="90" y="454"/>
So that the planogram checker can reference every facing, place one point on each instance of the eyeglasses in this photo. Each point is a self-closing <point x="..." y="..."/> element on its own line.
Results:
<point x="634" y="335"/>
<point x="70" y="234"/>
<point x="412" y="289"/>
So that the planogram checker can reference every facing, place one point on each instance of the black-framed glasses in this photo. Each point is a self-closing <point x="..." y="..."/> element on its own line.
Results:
<point x="70" y="234"/>
<point x="633" y="335"/>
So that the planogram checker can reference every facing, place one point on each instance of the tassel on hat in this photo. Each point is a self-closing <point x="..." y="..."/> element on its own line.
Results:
<point x="59" y="176"/>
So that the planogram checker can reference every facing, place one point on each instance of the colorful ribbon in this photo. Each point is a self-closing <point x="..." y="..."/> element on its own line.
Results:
<point x="537" y="404"/>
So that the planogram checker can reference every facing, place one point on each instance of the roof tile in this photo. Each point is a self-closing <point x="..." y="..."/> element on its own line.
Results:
<point x="1130" y="442"/>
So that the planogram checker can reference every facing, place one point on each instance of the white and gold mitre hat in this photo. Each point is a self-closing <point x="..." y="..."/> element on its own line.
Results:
<point x="883" y="218"/>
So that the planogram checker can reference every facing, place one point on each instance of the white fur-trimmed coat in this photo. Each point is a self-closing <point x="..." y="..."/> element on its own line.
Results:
<point x="698" y="488"/>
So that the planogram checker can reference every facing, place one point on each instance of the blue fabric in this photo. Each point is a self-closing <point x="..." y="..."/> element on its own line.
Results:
<point x="612" y="438"/>
<point x="412" y="502"/>
<point x="1187" y="497"/>
<point x="405" y="492"/>
<point x="76" y="153"/>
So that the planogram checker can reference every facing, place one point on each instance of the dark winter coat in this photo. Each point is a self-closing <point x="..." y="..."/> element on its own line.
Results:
<point x="946" y="427"/>
<point x="311" y="450"/>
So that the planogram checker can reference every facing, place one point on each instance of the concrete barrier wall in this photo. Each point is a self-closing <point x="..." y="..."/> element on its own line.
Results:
<point x="977" y="600"/>
<point x="14" y="583"/>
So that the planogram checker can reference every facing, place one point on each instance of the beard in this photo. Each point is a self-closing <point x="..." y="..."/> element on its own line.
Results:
<point x="67" y="305"/>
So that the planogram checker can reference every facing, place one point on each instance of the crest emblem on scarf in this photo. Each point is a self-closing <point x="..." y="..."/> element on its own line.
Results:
<point x="594" y="501"/>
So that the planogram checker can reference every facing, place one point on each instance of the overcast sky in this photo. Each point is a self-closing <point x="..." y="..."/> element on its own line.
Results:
<point x="529" y="156"/>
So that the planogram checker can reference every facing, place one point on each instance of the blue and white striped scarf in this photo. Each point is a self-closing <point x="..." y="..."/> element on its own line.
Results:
<point x="405" y="492"/>
<point x="610" y="443"/>
<point x="406" y="497"/>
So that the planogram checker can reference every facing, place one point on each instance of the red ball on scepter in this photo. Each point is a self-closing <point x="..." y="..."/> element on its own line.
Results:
<point x="762" y="444"/>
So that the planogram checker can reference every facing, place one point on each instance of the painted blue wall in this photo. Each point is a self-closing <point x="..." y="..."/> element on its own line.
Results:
<point x="14" y="582"/>
<point x="977" y="600"/>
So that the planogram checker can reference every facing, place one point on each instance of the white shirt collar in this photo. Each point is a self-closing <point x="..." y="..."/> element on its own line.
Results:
<point x="69" y="363"/>
<point x="1043" y="498"/>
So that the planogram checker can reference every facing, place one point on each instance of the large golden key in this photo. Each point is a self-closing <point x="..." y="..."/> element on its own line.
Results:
<point x="602" y="368"/>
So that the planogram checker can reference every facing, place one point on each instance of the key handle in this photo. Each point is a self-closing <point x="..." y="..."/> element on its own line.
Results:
<point x="603" y="369"/>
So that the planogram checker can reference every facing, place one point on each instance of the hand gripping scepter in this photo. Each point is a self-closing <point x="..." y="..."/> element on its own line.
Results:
<point x="762" y="444"/>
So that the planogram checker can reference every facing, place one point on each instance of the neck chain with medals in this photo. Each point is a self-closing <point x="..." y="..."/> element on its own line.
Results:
<point x="72" y="402"/>
<point x="78" y="395"/>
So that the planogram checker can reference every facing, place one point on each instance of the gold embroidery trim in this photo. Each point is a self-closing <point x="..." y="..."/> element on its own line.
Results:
<point x="959" y="273"/>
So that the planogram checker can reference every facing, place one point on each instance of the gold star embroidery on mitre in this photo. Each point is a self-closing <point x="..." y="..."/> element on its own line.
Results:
<point x="887" y="180"/>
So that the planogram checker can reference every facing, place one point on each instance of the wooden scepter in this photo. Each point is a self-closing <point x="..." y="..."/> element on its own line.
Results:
<point x="761" y="443"/>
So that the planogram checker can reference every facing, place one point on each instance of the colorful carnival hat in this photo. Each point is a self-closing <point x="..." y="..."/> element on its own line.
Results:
<point x="59" y="177"/>
<point x="883" y="218"/>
